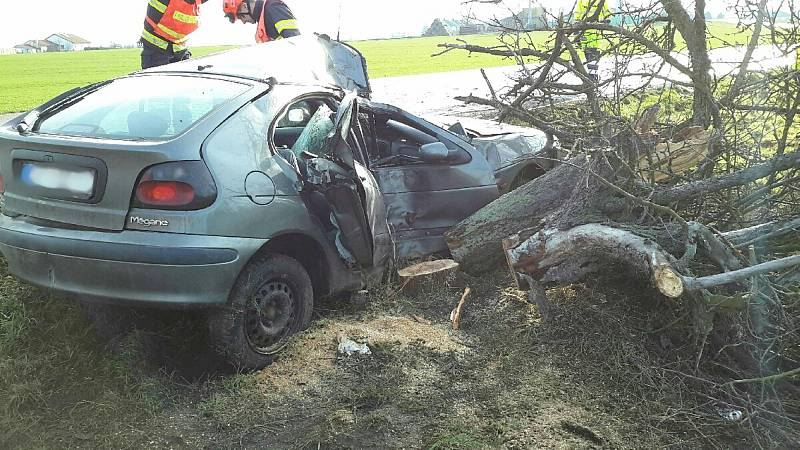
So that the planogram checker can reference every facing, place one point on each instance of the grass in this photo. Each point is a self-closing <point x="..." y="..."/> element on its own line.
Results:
<point x="58" y="387"/>
<point x="29" y="80"/>
<point x="396" y="57"/>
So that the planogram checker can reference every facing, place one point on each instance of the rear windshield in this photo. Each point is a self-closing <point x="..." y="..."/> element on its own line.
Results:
<point x="153" y="107"/>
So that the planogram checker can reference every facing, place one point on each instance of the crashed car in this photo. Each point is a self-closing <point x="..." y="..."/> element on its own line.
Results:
<point x="248" y="182"/>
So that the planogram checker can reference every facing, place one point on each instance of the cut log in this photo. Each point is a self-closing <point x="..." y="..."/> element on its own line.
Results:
<point x="412" y="277"/>
<point x="559" y="257"/>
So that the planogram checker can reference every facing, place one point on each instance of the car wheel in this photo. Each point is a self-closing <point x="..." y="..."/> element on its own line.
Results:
<point x="272" y="299"/>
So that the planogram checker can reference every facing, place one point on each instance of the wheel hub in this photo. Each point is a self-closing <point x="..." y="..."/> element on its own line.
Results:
<point x="270" y="316"/>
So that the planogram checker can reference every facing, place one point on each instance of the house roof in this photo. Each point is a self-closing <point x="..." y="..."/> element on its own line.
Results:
<point x="70" y="37"/>
<point x="26" y="47"/>
<point x="40" y="43"/>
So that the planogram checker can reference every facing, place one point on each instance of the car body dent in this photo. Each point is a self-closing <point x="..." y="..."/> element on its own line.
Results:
<point x="310" y="59"/>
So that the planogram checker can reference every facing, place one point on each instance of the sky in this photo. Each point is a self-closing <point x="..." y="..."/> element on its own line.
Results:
<point x="120" y="21"/>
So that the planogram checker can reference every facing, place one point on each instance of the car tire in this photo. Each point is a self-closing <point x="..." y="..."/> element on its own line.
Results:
<point x="272" y="299"/>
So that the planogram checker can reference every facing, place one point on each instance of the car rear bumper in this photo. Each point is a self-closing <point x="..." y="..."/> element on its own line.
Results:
<point x="159" y="269"/>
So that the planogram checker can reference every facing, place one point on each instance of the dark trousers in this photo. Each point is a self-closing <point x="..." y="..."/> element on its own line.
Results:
<point x="153" y="56"/>
<point x="592" y="55"/>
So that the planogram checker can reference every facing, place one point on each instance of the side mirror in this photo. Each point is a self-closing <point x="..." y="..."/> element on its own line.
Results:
<point x="434" y="152"/>
<point x="297" y="115"/>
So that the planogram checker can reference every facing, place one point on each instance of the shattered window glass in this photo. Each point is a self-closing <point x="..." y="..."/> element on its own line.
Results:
<point x="314" y="137"/>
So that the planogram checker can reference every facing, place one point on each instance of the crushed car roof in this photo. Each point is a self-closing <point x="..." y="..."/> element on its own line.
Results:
<point x="314" y="58"/>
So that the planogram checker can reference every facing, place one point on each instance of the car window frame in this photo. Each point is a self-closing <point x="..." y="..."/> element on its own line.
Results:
<point x="399" y="118"/>
<point x="319" y="95"/>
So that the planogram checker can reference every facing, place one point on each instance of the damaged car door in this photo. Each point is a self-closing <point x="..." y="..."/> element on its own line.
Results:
<point x="431" y="179"/>
<point x="340" y="191"/>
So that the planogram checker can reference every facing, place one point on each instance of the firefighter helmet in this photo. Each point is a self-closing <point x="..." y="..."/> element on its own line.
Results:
<point x="231" y="9"/>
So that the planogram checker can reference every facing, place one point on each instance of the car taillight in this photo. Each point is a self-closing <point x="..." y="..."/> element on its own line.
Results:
<point x="181" y="185"/>
<point x="2" y="185"/>
<point x="166" y="193"/>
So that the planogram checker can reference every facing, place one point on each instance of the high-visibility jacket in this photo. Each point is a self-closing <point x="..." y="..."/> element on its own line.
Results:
<point x="170" y="22"/>
<point x="797" y="59"/>
<point x="592" y="11"/>
<point x="275" y="22"/>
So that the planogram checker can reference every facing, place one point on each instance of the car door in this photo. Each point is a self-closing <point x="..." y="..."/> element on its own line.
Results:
<point x="425" y="194"/>
<point x="357" y="213"/>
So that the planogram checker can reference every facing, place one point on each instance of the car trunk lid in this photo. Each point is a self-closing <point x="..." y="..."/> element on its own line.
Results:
<point x="76" y="183"/>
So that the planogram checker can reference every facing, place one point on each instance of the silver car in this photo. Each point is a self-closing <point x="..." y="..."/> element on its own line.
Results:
<point x="248" y="182"/>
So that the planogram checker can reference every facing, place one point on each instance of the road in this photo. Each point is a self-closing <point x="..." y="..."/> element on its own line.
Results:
<point x="433" y="94"/>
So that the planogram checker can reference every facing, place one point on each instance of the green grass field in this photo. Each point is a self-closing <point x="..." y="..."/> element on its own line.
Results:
<point x="29" y="80"/>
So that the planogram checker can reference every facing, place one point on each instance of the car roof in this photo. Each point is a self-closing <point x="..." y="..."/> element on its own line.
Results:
<point x="308" y="59"/>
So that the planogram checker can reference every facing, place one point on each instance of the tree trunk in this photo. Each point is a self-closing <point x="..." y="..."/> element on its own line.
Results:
<point x="563" y="197"/>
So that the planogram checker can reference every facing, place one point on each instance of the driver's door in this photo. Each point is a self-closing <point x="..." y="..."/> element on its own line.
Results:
<point x="357" y="212"/>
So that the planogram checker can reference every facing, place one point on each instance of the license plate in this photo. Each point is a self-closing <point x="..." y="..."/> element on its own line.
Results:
<point x="77" y="182"/>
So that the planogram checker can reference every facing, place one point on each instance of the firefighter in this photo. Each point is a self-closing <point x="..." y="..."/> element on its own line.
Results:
<point x="592" y="11"/>
<point x="274" y="18"/>
<point x="167" y="27"/>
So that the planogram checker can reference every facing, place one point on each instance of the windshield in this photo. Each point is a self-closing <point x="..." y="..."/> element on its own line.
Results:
<point x="142" y="107"/>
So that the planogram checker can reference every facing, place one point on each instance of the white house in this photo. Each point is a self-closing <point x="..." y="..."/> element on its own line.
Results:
<point x="68" y="42"/>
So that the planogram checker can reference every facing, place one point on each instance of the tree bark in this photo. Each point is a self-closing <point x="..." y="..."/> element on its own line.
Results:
<point x="561" y="197"/>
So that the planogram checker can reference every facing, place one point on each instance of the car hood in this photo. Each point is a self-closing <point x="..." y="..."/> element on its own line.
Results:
<point x="501" y="144"/>
<point x="314" y="58"/>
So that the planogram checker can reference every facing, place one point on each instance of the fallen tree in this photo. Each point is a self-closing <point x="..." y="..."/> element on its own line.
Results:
<point x="638" y="200"/>
<point x="585" y="190"/>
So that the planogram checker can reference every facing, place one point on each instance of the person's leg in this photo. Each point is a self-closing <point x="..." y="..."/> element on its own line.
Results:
<point x="592" y="62"/>
<point x="153" y="57"/>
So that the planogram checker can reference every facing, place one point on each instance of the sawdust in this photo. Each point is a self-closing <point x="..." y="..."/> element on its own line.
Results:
<point x="312" y="355"/>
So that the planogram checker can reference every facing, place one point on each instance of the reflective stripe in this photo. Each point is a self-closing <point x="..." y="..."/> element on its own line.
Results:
<point x="172" y="33"/>
<point x="185" y="18"/>
<point x="155" y="40"/>
<point x="160" y="7"/>
<point x="288" y="24"/>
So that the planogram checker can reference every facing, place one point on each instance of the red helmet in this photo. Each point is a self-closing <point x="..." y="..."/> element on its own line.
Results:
<point x="231" y="9"/>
